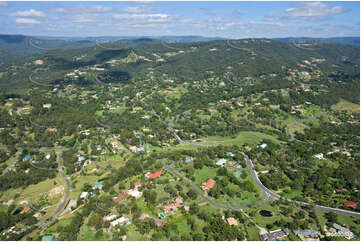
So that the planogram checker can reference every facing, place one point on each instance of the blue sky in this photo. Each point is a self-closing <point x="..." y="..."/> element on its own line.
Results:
<point x="222" y="19"/>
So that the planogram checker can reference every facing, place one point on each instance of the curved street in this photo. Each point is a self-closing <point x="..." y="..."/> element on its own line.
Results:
<point x="269" y="194"/>
<point x="66" y="196"/>
<point x="274" y="196"/>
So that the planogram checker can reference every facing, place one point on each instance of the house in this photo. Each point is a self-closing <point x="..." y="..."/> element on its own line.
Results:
<point x="173" y="207"/>
<point x="47" y="105"/>
<point x="84" y="194"/>
<point x="306" y="233"/>
<point x="264" y="145"/>
<point x="275" y="234"/>
<point x="208" y="185"/>
<point x="153" y="175"/>
<point x="48" y="238"/>
<point x="115" y="144"/>
<point x="25" y="210"/>
<point x="110" y="217"/>
<point x="189" y="159"/>
<point x="319" y="156"/>
<point x="135" y="193"/>
<point x="27" y="158"/>
<point x="232" y="221"/>
<point x="229" y="154"/>
<point x="350" y="204"/>
<point x="221" y="162"/>
<point x="120" y="197"/>
<point x="47" y="156"/>
<point x="119" y="221"/>
<point x="137" y="184"/>
<point x="98" y="185"/>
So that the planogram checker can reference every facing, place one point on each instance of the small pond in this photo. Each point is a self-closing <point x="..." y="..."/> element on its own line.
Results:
<point x="266" y="213"/>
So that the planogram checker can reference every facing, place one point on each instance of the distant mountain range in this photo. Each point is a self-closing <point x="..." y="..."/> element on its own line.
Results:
<point x="339" y="40"/>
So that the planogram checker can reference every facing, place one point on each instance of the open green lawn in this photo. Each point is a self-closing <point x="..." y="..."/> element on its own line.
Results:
<point x="33" y="191"/>
<point x="263" y="221"/>
<point x="346" y="105"/>
<point x="86" y="233"/>
<point x="204" y="174"/>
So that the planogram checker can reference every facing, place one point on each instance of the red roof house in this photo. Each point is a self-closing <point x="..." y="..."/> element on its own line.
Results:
<point x="137" y="184"/>
<point x="153" y="175"/>
<point x="232" y="221"/>
<point x="350" y="204"/>
<point x="120" y="197"/>
<point x="208" y="185"/>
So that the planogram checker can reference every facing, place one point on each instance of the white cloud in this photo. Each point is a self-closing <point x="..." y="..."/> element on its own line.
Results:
<point x="26" y="21"/>
<point x="142" y="18"/>
<point x="101" y="9"/>
<point x="4" y="4"/>
<point x="311" y="10"/>
<point x="60" y="10"/>
<point x="28" y="13"/>
<point x="138" y="9"/>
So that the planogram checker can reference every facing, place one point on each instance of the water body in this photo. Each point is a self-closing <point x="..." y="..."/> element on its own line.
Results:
<point x="265" y="213"/>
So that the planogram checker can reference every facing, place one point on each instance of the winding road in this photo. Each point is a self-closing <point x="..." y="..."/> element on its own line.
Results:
<point x="272" y="196"/>
<point x="66" y="196"/>
<point x="269" y="194"/>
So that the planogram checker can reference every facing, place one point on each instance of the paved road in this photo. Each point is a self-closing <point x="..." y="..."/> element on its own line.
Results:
<point x="272" y="196"/>
<point x="38" y="47"/>
<point x="167" y="46"/>
<point x="38" y="83"/>
<point x="200" y="193"/>
<point x="12" y="163"/>
<point x="66" y="196"/>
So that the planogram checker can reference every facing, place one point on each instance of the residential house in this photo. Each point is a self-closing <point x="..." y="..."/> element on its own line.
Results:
<point x="135" y="193"/>
<point x="120" y="197"/>
<point x="137" y="184"/>
<point x="232" y="221"/>
<point x="47" y="105"/>
<point x="208" y="185"/>
<point x="25" y="210"/>
<point x="319" y="156"/>
<point x="110" y="217"/>
<point x="173" y="207"/>
<point x="98" y="185"/>
<point x="275" y="234"/>
<point x="264" y="145"/>
<point x="153" y="175"/>
<point x="119" y="221"/>
<point x="307" y="233"/>
<point x="84" y="194"/>
<point x="221" y="162"/>
<point x="350" y="204"/>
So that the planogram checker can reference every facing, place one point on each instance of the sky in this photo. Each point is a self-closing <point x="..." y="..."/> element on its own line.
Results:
<point x="153" y="18"/>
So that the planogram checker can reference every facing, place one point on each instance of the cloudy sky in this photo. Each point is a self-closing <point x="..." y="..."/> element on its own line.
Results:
<point x="154" y="18"/>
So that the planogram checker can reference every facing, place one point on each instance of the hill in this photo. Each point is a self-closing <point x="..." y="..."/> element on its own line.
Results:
<point x="192" y="61"/>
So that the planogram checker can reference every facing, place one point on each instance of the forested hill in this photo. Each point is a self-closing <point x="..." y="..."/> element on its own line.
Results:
<point x="191" y="61"/>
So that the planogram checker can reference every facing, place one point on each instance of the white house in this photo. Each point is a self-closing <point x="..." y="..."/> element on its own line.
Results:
<point x="264" y="145"/>
<point x="84" y="194"/>
<point x="319" y="156"/>
<point x="119" y="221"/>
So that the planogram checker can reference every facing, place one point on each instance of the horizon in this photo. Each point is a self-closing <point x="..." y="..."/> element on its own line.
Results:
<point x="230" y="20"/>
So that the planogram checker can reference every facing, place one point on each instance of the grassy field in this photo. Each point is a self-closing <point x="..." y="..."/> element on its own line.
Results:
<point x="263" y="221"/>
<point x="87" y="234"/>
<point x="341" y="219"/>
<point x="33" y="191"/>
<point x="346" y="105"/>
